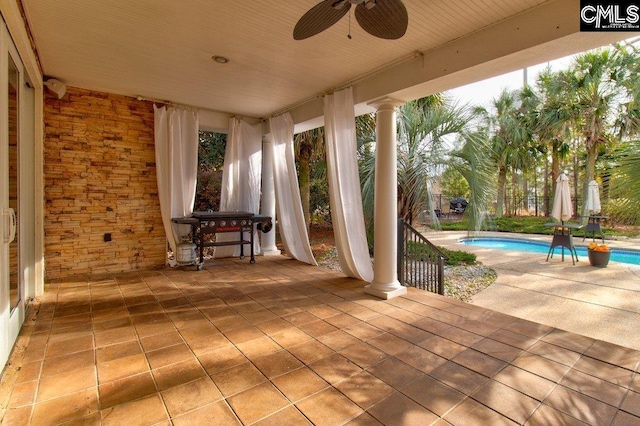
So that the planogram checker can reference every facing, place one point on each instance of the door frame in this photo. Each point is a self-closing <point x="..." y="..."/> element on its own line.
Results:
<point x="29" y="190"/>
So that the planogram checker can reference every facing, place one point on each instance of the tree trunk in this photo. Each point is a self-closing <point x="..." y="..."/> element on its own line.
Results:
<point x="525" y="195"/>
<point x="576" y="178"/>
<point x="502" y="183"/>
<point x="555" y="165"/>
<point x="514" y="193"/>
<point x="535" y="189"/>
<point x="555" y="172"/>
<point x="545" y="189"/>
<point x="304" y="177"/>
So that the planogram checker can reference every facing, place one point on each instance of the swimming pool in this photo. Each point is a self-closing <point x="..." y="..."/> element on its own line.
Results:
<point x="512" y="244"/>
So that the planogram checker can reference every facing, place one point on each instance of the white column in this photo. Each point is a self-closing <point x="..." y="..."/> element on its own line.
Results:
<point x="268" y="201"/>
<point x="385" y="282"/>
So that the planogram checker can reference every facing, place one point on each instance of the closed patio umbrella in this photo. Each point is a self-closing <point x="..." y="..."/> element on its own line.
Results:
<point x="562" y="207"/>
<point x="592" y="203"/>
<point x="562" y="210"/>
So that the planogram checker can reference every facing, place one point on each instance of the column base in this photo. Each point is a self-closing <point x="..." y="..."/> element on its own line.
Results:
<point x="385" y="294"/>
<point x="274" y="252"/>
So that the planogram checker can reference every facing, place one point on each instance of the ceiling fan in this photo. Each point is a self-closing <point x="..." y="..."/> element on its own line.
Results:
<point x="386" y="19"/>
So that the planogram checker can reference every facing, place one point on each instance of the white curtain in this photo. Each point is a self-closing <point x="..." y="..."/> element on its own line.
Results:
<point x="176" y="143"/>
<point x="344" y="186"/>
<point x="241" y="178"/>
<point x="293" y="230"/>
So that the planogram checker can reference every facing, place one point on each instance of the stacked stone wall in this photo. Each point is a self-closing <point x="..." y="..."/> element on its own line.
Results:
<point x="100" y="184"/>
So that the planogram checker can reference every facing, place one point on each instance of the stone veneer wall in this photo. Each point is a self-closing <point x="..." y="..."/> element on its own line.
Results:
<point x="100" y="178"/>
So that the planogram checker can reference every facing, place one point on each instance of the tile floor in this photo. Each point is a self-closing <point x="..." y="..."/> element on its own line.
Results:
<point x="281" y="342"/>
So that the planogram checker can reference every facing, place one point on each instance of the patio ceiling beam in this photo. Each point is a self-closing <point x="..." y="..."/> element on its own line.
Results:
<point x="543" y="33"/>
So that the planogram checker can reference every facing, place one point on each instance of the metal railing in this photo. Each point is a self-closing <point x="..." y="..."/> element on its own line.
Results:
<point x="420" y="263"/>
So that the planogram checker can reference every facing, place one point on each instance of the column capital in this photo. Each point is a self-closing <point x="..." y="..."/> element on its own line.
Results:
<point x="386" y="102"/>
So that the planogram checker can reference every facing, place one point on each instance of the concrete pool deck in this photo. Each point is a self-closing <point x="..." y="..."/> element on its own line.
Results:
<point x="602" y="303"/>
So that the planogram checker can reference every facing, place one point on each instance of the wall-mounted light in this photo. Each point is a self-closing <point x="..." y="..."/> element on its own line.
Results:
<point x="220" y="59"/>
<point x="56" y="86"/>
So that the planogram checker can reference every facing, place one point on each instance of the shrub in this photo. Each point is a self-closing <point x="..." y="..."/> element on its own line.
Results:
<point x="421" y="251"/>
<point x="457" y="257"/>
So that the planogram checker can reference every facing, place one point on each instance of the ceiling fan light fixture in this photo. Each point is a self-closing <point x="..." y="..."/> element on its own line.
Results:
<point x="370" y="4"/>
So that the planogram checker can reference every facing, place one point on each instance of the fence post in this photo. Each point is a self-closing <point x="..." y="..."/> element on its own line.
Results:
<point x="441" y="275"/>
<point x="400" y="267"/>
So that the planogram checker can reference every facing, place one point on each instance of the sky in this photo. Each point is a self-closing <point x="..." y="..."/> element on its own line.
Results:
<point x="482" y="92"/>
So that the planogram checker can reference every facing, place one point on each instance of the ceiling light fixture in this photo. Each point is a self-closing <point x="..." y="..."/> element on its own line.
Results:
<point x="220" y="59"/>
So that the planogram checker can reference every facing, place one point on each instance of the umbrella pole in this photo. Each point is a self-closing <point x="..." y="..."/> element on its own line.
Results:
<point x="562" y="223"/>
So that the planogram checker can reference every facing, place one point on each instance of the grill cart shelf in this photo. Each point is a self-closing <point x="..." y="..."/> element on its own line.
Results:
<point x="205" y="225"/>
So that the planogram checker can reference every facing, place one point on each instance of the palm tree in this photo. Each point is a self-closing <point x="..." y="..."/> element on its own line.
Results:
<point x="628" y="156"/>
<point x="472" y="161"/>
<point x="309" y="146"/>
<point x="512" y="135"/>
<point x="597" y="93"/>
<point x="596" y="103"/>
<point x="425" y="128"/>
<point x="554" y="123"/>
<point x="594" y="93"/>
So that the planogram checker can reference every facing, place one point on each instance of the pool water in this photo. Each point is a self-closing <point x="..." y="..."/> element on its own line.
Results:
<point x="617" y="255"/>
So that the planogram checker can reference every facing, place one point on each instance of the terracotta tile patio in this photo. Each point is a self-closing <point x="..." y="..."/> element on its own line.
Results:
<point x="281" y="342"/>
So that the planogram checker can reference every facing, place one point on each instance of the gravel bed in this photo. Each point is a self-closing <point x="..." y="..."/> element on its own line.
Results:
<point x="460" y="282"/>
<point x="463" y="282"/>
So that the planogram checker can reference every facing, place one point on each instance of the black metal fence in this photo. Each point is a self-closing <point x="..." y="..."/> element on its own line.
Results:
<point x="420" y="263"/>
<point x="531" y="205"/>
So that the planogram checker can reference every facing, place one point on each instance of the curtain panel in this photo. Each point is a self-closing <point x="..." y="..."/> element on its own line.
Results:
<point x="176" y="150"/>
<point x="344" y="186"/>
<point x="293" y="230"/>
<point x="241" y="178"/>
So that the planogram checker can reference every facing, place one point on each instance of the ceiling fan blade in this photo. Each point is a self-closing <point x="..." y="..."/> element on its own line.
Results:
<point x="319" y="18"/>
<point x="388" y="19"/>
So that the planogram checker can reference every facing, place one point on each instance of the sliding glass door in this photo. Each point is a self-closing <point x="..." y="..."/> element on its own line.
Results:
<point x="12" y="283"/>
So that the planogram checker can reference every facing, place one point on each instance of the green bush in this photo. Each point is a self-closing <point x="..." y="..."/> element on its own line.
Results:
<point x="524" y="224"/>
<point x="457" y="257"/>
<point x="537" y="225"/>
<point x="421" y="252"/>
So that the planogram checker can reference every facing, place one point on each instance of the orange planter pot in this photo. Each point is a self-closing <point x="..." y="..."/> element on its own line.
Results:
<point x="599" y="258"/>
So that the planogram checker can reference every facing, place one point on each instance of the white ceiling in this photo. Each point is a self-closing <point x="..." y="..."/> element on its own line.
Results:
<point x="162" y="49"/>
